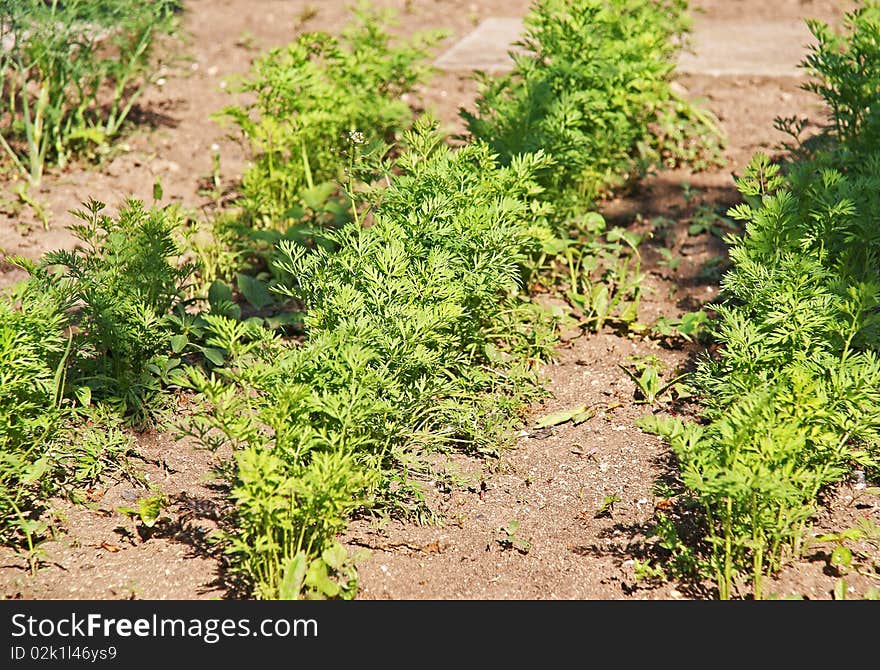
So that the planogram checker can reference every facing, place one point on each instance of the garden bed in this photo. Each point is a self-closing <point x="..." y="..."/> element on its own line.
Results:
<point x="565" y="512"/>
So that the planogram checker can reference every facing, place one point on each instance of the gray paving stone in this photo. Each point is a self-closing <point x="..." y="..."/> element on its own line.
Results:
<point x="485" y="48"/>
<point x="730" y="47"/>
<point x="744" y="47"/>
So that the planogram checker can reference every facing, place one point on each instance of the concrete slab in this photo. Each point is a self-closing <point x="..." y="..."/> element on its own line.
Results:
<point x="747" y="47"/>
<point x="485" y="48"/>
<point x="719" y="47"/>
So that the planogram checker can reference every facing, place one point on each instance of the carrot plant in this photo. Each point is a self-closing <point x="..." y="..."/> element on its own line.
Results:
<point x="33" y="354"/>
<point x="792" y="403"/>
<point x="419" y="336"/>
<point x="418" y="331"/>
<point x="49" y="442"/>
<point x="592" y="89"/>
<point x="118" y="289"/>
<point x="70" y="73"/>
<point x="845" y="71"/>
<point x="86" y="343"/>
<point x="312" y="100"/>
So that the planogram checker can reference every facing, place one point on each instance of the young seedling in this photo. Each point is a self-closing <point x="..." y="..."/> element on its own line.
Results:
<point x="649" y="384"/>
<point x="511" y="539"/>
<point x="707" y="220"/>
<point x="605" y="278"/>
<point x="668" y="259"/>
<point x="645" y="571"/>
<point x="607" y="507"/>
<point x="149" y="512"/>
<point x="691" y="327"/>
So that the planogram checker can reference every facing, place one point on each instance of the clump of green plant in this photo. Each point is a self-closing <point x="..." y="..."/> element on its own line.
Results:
<point x="690" y="327"/>
<point x="646" y="572"/>
<point x="757" y="471"/>
<point x="792" y="401"/>
<point x="844" y="66"/>
<point x="289" y="511"/>
<point x="599" y="271"/>
<point x="592" y="80"/>
<point x="33" y="353"/>
<point x="71" y="72"/>
<point x="511" y="539"/>
<point x="97" y="446"/>
<point x="419" y="337"/>
<point x="211" y="244"/>
<point x="650" y="386"/>
<point x="50" y="442"/>
<point x="117" y="291"/>
<point x="318" y="102"/>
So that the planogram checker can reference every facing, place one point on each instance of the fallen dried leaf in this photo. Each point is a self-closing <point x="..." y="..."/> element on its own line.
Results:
<point x="665" y="504"/>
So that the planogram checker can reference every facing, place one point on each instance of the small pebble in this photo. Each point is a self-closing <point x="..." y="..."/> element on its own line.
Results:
<point x="861" y="483"/>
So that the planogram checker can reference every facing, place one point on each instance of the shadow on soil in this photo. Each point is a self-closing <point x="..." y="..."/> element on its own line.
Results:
<point x="186" y="527"/>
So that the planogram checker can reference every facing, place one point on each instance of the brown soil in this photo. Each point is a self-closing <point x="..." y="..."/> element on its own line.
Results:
<point x="553" y="482"/>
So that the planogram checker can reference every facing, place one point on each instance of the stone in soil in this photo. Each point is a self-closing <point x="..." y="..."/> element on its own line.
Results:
<point x="486" y="48"/>
<point x="718" y="47"/>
